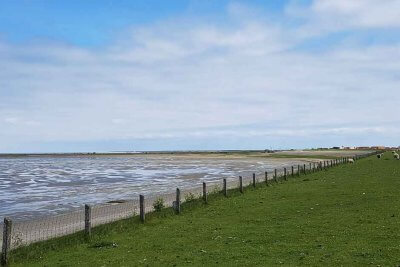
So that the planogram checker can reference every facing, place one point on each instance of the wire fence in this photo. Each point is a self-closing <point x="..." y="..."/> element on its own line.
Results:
<point x="14" y="234"/>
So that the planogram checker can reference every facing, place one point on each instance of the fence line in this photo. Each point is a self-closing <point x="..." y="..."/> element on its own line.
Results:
<point x="22" y="233"/>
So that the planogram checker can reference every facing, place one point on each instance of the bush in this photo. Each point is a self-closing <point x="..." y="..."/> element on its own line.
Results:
<point x="158" y="204"/>
<point x="216" y="190"/>
<point x="190" y="197"/>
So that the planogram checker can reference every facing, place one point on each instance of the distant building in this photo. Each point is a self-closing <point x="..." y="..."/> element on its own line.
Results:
<point x="378" y="147"/>
<point x="268" y="151"/>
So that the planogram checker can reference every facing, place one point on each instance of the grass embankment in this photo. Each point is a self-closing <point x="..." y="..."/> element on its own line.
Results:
<point x="294" y="156"/>
<point x="348" y="215"/>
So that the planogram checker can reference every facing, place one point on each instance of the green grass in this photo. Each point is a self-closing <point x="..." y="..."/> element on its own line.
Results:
<point x="348" y="215"/>
<point x="297" y="156"/>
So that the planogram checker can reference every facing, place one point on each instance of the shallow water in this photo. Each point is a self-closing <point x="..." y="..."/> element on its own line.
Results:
<point x="36" y="186"/>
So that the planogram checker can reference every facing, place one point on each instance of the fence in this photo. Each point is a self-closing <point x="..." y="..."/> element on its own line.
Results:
<point x="21" y="233"/>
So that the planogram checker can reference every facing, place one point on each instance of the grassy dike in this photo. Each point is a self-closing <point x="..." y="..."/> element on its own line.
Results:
<point x="348" y="215"/>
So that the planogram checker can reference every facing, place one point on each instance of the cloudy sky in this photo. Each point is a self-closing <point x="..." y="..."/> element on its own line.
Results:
<point x="163" y="75"/>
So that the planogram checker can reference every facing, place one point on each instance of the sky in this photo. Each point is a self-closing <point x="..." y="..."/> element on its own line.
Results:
<point x="98" y="75"/>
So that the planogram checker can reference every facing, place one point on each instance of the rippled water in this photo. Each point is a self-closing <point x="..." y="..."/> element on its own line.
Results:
<point x="36" y="186"/>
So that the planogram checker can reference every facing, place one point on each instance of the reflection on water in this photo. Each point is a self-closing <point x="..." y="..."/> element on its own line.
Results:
<point x="35" y="186"/>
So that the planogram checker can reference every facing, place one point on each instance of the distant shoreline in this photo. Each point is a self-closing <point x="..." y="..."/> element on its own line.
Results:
<point x="122" y="153"/>
<point x="266" y="152"/>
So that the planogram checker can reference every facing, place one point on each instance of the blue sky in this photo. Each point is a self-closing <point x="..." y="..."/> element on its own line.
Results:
<point x="95" y="23"/>
<point x="164" y="75"/>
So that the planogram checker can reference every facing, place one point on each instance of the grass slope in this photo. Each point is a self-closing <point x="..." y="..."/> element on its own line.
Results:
<point x="348" y="215"/>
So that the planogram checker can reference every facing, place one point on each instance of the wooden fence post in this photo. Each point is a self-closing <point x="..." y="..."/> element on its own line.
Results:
<point x="254" y="180"/>
<point x="313" y="167"/>
<point x="205" y="193"/>
<point x="241" y="184"/>
<point x="304" y="169"/>
<point x="225" y="189"/>
<point x="275" y="176"/>
<point x="88" y="220"/>
<point x="292" y="171"/>
<point x="310" y="168"/>
<point x="7" y="228"/>
<point x="178" y="201"/>
<point x="284" y="174"/>
<point x="298" y="170"/>
<point x="141" y="208"/>
<point x="266" y="178"/>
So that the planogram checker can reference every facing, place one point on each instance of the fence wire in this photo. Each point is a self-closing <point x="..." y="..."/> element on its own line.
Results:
<point x="28" y="232"/>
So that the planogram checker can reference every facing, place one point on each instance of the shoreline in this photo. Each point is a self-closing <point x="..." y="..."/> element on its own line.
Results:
<point x="266" y="153"/>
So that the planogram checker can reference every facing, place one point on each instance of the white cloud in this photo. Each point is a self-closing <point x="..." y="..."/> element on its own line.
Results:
<point x="335" y="15"/>
<point x="169" y="80"/>
<point x="365" y="13"/>
<point x="11" y="120"/>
